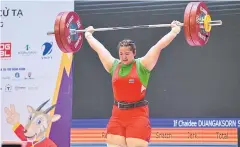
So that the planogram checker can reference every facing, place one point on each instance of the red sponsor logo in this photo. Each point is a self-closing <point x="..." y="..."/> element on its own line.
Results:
<point x="6" y="50"/>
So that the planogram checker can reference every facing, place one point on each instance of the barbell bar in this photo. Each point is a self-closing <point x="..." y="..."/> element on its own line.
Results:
<point x="73" y="31"/>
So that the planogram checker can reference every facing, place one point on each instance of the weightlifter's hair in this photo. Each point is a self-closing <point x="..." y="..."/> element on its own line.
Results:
<point x="127" y="43"/>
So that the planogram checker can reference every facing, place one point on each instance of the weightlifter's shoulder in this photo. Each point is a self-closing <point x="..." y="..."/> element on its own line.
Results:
<point x="141" y="68"/>
<point x="114" y="65"/>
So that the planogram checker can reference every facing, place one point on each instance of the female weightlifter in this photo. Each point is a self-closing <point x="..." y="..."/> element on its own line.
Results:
<point x="129" y="124"/>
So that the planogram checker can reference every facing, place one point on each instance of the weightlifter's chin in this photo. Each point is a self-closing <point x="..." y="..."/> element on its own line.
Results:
<point x="126" y="62"/>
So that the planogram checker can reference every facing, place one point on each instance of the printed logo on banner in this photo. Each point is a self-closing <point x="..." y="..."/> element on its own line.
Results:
<point x="18" y="88"/>
<point x="5" y="77"/>
<point x="17" y="75"/>
<point x="31" y="88"/>
<point x="27" y="51"/>
<point x="13" y="69"/>
<point x="29" y="76"/>
<point x="8" y="88"/>
<point x="6" y="50"/>
<point x="47" y="50"/>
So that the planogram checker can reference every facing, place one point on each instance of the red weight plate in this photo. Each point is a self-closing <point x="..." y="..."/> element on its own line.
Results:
<point x="199" y="9"/>
<point x="72" y="43"/>
<point x="187" y="24"/>
<point x="57" y="32"/>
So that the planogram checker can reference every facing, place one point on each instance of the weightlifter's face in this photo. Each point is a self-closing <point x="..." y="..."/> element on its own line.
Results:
<point x="126" y="55"/>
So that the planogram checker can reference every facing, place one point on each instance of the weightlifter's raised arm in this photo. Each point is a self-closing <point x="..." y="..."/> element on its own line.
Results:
<point x="151" y="58"/>
<point x="105" y="56"/>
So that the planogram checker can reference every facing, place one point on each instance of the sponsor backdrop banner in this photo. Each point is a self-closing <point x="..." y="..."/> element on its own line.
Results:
<point x="33" y="71"/>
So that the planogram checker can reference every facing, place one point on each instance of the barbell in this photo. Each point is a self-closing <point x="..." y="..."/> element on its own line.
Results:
<point x="68" y="28"/>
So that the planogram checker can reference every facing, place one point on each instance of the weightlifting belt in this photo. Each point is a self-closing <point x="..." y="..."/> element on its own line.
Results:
<point x="127" y="105"/>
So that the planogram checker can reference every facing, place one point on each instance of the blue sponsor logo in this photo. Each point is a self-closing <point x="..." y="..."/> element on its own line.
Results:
<point x="17" y="75"/>
<point x="47" y="50"/>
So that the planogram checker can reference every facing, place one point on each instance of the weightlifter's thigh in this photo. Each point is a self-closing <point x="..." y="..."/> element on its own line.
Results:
<point x="116" y="133"/>
<point x="138" y="132"/>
